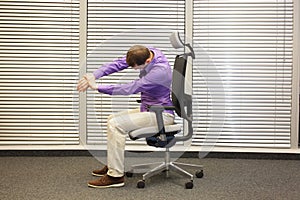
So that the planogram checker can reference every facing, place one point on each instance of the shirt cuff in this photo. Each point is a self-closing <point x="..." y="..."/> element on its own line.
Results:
<point x="106" y="89"/>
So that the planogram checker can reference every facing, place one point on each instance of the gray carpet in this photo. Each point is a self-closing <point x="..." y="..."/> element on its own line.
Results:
<point x="64" y="178"/>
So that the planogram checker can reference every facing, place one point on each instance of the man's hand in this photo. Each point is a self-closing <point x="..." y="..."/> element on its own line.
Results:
<point x="82" y="85"/>
<point x="88" y="80"/>
<point x="91" y="80"/>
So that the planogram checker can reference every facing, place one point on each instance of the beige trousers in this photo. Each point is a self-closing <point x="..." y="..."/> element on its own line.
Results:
<point x="118" y="126"/>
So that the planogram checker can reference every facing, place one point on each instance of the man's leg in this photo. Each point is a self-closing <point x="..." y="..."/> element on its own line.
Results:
<point x="118" y="127"/>
<point x="103" y="171"/>
<point x="117" y="130"/>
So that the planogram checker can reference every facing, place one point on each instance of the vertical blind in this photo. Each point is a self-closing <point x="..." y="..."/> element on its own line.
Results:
<point x="243" y="72"/>
<point x="39" y="45"/>
<point x="114" y="26"/>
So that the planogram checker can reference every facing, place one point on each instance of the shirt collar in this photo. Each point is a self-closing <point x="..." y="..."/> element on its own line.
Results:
<point x="151" y="64"/>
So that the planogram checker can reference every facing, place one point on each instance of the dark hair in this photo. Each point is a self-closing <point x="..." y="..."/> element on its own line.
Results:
<point x="137" y="55"/>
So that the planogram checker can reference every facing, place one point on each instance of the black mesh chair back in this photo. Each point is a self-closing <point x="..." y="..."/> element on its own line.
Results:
<point x="179" y="98"/>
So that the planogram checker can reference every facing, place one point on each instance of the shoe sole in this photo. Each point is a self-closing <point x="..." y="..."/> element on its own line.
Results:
<point x="98" y="175"/>
<point x="107" y="186"/>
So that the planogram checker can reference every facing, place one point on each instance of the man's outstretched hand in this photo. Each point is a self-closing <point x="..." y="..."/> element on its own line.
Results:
<point x="86" y="81"/>
<point x="91" y="81"/>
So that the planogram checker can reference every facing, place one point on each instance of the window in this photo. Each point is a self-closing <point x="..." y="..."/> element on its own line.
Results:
<point x="38" y="73"/>
<point x="114" y="26"/>
<point x="243" y="76"/>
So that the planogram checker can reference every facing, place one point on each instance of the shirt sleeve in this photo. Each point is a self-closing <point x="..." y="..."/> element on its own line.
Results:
<point x="147" y="82"/>
<point x="109" y="68"/>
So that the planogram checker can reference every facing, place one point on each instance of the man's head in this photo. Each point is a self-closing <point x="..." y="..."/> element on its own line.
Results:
<point x="138" y="56"/>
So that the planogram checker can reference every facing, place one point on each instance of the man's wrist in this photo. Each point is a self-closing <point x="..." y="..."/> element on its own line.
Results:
<point x="95" y="87"/>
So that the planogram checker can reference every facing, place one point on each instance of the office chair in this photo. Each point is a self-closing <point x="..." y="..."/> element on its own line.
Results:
<point x="162" y="136"/>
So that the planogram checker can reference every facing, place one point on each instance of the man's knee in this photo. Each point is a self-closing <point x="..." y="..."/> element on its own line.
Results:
<point x="111" y="123"/>
<point x="110" y="117"/>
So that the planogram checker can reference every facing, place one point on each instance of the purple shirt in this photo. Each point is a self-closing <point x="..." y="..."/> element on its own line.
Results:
<point x="154" y="81"/>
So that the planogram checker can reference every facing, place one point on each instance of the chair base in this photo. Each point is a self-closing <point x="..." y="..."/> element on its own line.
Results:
<point x="166" y="166"/>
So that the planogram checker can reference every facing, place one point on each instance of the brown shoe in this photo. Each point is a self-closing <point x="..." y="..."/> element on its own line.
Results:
<point x="100" y="172"/>
<point x="107" y="181"/>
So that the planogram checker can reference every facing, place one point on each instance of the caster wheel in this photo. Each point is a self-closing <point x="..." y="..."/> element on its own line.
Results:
<point x="140" y="184"/>
<point x="129" y="174"/>
<point x="189" y="185"/>
<point x="199" y="174"/>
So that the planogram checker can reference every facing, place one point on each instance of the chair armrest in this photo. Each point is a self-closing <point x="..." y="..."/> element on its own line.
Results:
<point x="159" y="107"/>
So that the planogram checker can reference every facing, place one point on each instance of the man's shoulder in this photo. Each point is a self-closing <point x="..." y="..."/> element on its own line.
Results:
<point x="156" y="50"/>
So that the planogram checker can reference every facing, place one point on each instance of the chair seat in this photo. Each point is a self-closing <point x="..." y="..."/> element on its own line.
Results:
<point x="152" y="130"/>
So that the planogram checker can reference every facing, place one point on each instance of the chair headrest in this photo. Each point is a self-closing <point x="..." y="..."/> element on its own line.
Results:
<point x="175" y="40"/>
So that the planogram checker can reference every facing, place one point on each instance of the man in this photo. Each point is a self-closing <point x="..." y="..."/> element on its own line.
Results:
<point x="153" y="83"/>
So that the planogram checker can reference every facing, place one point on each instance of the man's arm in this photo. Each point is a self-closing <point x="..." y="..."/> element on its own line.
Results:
<point x="152" y="80"/>
<point x="109" y="68"/>
<point x="89" y="80"/>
